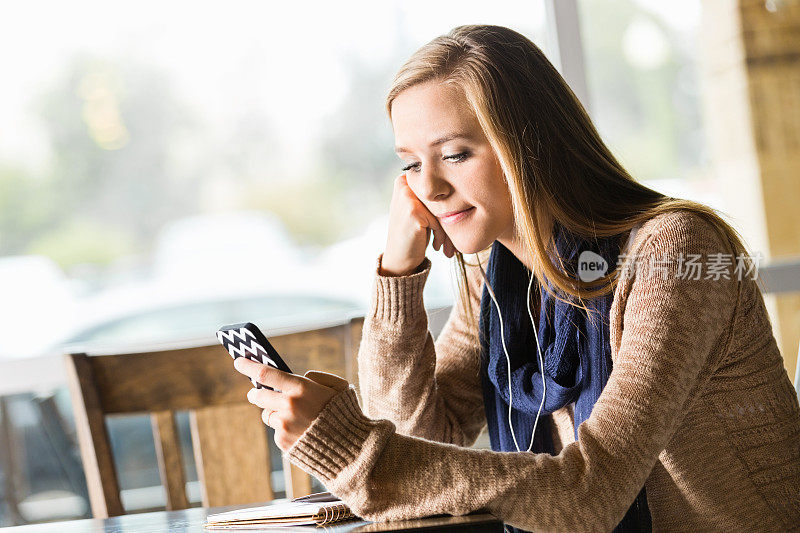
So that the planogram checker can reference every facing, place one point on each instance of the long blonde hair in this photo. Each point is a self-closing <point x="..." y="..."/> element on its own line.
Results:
<point x="557" y="167"/>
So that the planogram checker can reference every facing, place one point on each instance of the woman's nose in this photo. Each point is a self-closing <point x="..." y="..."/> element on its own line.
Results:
<point x="430" y="186"/>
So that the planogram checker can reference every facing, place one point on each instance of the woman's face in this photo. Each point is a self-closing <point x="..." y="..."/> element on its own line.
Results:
<point x="458" y="174"/>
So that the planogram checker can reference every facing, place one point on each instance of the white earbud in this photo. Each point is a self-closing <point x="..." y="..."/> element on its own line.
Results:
<point x="508" y="359"/>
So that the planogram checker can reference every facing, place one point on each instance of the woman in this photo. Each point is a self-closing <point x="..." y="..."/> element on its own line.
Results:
<point x="648" y="393"/>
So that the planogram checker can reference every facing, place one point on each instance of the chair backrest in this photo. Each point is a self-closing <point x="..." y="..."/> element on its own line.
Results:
<point x="229" y="439"/>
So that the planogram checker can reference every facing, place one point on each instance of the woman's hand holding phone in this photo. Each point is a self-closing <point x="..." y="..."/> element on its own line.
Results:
<point x="300" y="400"/>
<point x="410" y="227"/>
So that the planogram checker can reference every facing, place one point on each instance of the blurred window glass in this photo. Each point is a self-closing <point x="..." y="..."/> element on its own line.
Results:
<point x="134" y="136"/>
<point x="641" y="62"/>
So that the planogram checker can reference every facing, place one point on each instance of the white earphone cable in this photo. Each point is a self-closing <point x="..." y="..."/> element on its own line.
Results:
<point x="508" y="358"/>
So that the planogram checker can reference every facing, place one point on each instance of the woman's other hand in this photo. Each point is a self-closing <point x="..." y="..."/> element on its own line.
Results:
<point x="300" y="400"/>
<point x="410" y="226"/>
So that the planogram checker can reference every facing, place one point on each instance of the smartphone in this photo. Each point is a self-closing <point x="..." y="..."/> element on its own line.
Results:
<point x="246" y="340"/>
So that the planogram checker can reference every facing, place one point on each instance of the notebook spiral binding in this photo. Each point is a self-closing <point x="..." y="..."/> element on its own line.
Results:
<point x="333" y="513"/>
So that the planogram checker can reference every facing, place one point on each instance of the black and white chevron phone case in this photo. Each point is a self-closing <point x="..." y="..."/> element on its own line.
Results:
<point x="246" y="340"/>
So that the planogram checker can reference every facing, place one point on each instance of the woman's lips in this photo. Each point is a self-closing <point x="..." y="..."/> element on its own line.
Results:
<point x="457" y="217"/>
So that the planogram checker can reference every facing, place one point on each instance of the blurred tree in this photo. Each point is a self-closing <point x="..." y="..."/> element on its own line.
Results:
<point x="27" y="207"/>
<point x="357" y="143"/>
<point x="78" y="241"/>
<point x="112" y="126"/>
<point x="644" y="87"/>
<point x="357" y="139"/>
<point x="310" y="207"/>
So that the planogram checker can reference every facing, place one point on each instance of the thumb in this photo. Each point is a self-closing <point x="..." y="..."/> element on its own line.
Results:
<point x="328" y="380"/>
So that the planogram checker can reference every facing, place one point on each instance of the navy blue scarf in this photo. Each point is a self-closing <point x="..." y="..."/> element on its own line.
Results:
<point x="576" y="351"/>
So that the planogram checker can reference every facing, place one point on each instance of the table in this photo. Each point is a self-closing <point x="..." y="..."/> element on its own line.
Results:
<point x="192" y="519"/>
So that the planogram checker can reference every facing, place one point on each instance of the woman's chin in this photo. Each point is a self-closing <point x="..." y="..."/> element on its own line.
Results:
<point x="467" y="247"/>
<point x="468" y="241"/>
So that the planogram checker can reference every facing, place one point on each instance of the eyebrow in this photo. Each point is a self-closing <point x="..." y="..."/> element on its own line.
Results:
<point x="444" y="139"/>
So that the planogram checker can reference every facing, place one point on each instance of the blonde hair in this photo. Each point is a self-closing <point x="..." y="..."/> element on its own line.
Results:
<point x="557" y="167"/>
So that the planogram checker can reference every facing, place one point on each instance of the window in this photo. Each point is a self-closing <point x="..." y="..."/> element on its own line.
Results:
<point x="644" y="83"/>
<point x="166" y="168"/>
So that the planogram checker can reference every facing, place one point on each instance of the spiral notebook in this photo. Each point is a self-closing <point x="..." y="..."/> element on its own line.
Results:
<point x="312" y="510"/>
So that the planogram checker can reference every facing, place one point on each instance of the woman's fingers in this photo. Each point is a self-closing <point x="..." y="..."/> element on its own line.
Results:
<point x="266" y="414"/>
<point x="445" y="244"/>
<point x="428" y="232"/>
<point x="439" y="236"/>
<point x="449" y="250"/>
<point x="295" y="404"/>
<point x="435" y="238"/>
<point x="426" y="218"/>
<point x="268" y="375"/>
<point x="267" y="399"/>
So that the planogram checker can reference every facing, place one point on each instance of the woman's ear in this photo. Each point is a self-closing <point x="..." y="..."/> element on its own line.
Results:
<point x="329" y="380"/>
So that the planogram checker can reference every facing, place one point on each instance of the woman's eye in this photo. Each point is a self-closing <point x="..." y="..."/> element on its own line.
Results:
<point x="455" y="158"/>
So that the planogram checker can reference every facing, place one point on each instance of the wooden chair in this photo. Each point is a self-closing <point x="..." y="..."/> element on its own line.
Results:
<point x="229" y="439"/>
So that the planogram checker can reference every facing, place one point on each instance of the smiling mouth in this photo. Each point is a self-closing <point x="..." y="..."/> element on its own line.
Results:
<point x="456" y="217"/>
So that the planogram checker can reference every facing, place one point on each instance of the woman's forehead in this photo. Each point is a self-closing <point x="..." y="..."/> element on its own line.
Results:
<point x="428" y="114"/>
<point x="442" y="98"/>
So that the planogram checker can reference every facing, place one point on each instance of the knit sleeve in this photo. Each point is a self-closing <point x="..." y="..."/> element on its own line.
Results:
<point x="427" y="389"/>
<point x="672" y="328"/>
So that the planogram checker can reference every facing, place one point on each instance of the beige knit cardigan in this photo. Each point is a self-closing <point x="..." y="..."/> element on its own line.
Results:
<point x="698" y="408"/>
